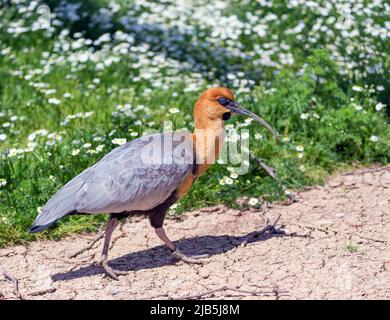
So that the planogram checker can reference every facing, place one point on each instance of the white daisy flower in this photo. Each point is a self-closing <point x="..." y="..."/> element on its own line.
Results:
<point x="3" y="182"/>
<point x="75" y="152"/>
<point x="174" y="110"/>
<point x="228" y="181"/>
<point x="234" y="175"/>
<point x="54" y="101"/>
<point x="87" y="145"/>
<point x="357" y="88"/>
<point x="379" y="106"/>
<point x="99" y="147"/>
<point x="119" y="141"/>
<point x="258" y="136"/>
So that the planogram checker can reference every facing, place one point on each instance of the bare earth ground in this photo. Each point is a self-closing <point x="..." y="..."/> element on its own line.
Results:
<point x="337" y="246"/>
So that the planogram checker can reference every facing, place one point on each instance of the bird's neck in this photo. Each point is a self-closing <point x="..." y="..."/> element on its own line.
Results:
<point x="209" y="136"/>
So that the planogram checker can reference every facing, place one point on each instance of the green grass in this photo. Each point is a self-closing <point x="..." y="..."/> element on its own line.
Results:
<point x="352" y="248"/>
<point x="319" y="89"/>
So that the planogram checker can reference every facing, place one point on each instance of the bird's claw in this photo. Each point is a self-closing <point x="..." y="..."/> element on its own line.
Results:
<point x="178" y="254"/>
<point x="113" y="274"/>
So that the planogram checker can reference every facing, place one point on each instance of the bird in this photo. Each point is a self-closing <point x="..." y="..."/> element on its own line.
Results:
<point x="138" y="178"/>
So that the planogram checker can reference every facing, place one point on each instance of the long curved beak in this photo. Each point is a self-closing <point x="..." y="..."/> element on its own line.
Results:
<point x="236" y="108"/>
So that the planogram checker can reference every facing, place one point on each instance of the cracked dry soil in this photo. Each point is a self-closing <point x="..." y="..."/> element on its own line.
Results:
<point x="335" y="246"/>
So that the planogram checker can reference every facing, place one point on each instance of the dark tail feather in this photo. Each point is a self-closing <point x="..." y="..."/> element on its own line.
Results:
<point x="35" y="229"/>
<point x="38" y="228"/>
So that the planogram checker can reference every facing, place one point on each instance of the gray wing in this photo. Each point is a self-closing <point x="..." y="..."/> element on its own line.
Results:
<point x="136" y="176"/>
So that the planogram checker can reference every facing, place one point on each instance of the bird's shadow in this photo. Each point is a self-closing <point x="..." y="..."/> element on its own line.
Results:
<point x="160" y="256"/>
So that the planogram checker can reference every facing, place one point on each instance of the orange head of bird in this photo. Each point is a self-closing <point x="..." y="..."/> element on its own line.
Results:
<point x="218" y="104"/>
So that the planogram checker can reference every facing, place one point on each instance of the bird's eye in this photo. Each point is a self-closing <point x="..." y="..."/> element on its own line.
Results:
<point x="223" y="101"/>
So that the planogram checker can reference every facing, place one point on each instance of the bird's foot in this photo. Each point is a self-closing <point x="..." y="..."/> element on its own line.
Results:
<point x="192" y="259"/>
<point x="113" y="274"/>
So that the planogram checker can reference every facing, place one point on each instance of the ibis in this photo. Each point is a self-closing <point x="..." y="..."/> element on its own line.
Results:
<point x="131" y="179"/>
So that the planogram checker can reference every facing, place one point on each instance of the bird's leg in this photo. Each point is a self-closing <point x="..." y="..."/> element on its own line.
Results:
<point x="103" y="261"/>
<point x="163" y="236"/>
<point x="176" y="251"/>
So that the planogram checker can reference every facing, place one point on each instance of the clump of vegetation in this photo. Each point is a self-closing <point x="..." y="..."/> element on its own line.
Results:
<point x="351" y="248"/>
<point x="104" y="72"/>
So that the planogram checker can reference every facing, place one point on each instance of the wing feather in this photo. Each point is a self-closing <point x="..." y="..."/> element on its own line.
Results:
<point x="122" y="181"/>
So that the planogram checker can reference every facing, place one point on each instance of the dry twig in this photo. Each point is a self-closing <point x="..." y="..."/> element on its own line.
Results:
<point x="269" y="227"/>
<point x="98" y="236"/>
<point x="10" y="277"/>
<point x="245" y="293"/>
<point x="271" y="171"/>
<point x="327" y="230"/>
<point x="42" y="292"/>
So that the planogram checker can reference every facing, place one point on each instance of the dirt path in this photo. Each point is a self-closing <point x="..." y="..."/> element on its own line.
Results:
<point x="353" y="262"/>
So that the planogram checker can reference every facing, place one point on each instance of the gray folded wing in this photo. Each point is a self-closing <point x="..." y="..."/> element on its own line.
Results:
<point x="136" y="176"/>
